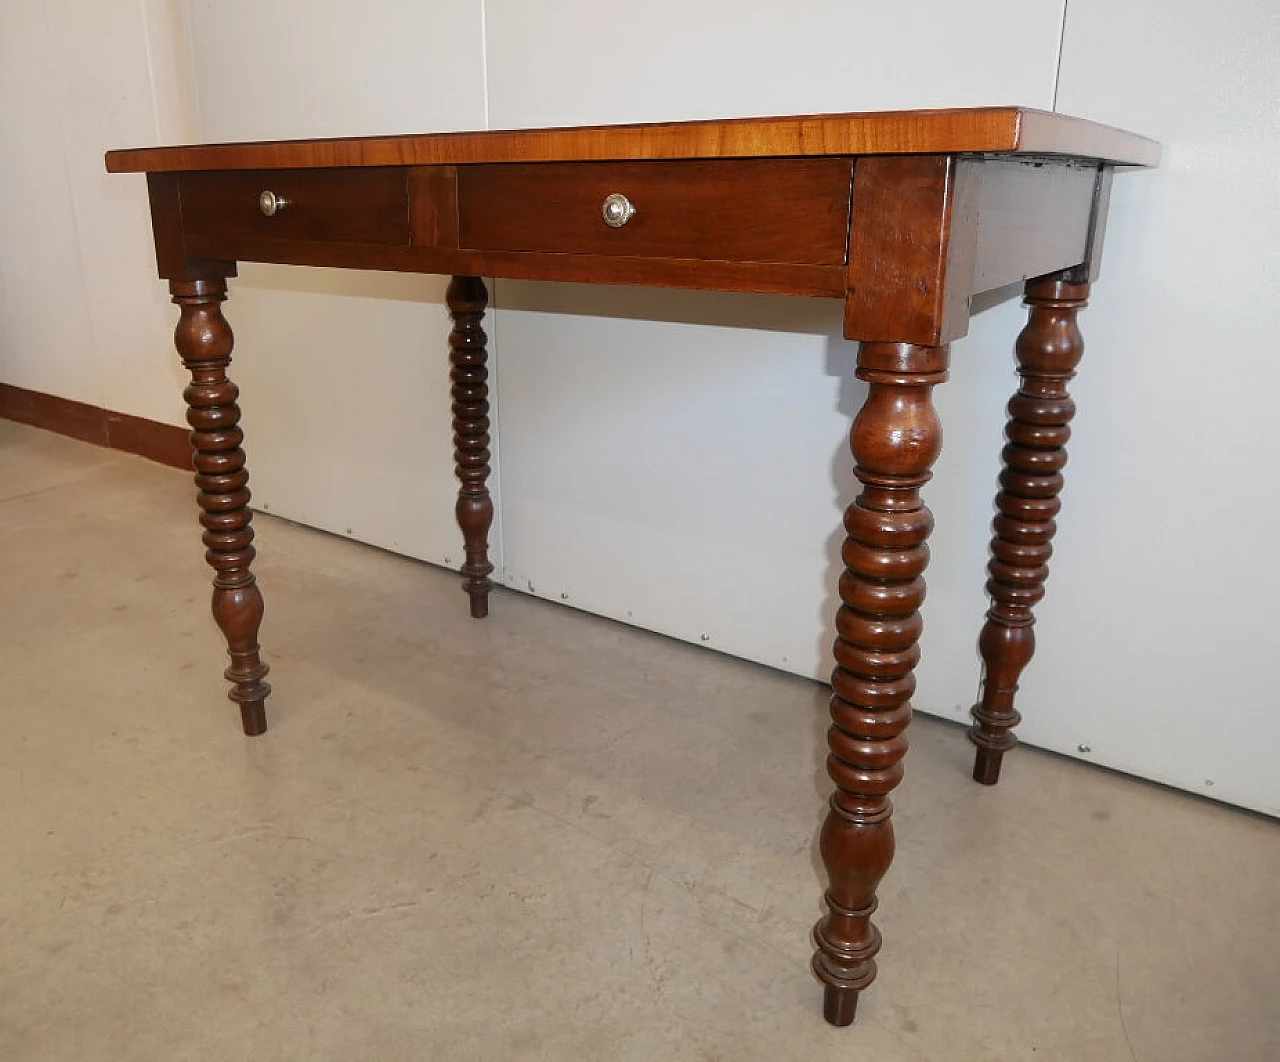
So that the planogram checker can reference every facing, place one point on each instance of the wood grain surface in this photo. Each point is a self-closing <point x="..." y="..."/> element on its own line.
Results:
<point x="976" y="130"/>
<point x="748" y="210"/>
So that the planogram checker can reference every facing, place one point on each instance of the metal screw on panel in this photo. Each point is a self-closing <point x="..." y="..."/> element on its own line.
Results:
<point x="1084" y="748"/>
<point x="1208" y="781"/>
<point x="564" y="597"/>
<point x="348" y="530"/>
<point x="706" y="637"/>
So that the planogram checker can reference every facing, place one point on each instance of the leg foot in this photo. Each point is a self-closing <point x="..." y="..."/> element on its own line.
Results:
<point x="254" y="718"/>
<point x="839" y="1006"/>
<point x="986" y="766"/>
<point x="204" y="341"/>
<point x="468" y="355"/>
<point x="895" y="439"/>
<point x="1048" y="349"/>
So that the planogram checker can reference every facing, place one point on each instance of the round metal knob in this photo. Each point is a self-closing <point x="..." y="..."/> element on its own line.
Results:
<point x="617" y="210"/>
<point x="270" y="203"/>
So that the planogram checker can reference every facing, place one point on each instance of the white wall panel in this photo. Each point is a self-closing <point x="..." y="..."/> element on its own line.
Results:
<point x="664" y="461"/>
<point x="344" y="381"/>
<point x="344" y="375"/>
<point x="677" y="460"/>
<point x="566" y="62"/>
<point x="81" y="314"/>
<point x="287" y="69"/>
<point x="680" y="461"/>
<point x="1176" y="604"/>
<point x="41" y="288"/>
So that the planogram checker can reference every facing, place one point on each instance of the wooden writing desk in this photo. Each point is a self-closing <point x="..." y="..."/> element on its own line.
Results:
<point x="904" y="216"/>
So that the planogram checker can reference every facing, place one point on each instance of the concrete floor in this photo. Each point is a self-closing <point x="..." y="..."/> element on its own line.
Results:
<point x="543" y="836"/>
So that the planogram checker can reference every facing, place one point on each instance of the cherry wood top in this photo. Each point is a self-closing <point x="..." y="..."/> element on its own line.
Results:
<point x="978" y="130"/>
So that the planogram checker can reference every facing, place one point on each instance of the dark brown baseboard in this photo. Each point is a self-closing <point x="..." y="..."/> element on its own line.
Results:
<point x="165" y="443"/>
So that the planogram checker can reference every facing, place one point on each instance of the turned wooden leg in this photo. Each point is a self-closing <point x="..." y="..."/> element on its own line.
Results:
<point x="467" y="299"/>
<point x="204" y="341"/>
<point x="1048" y="348"/>
<point x="895" y="439"/>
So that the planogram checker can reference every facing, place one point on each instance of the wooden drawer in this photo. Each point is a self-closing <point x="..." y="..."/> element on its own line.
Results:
<point x="367" y="206"/>
<point x="749" y="210"/>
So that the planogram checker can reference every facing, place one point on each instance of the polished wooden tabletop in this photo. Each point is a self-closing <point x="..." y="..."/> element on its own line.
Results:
<point x="972" y="130"/>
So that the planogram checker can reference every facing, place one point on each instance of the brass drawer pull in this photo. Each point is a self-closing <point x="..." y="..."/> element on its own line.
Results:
<point x="617" y="210"/>
<point x="270" y="203"/>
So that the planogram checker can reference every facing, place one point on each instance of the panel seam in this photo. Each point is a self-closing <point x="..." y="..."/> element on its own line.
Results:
<point x="499" y="530"/>
<point x="484" y="63"/>
<point x="1057" y="69"/>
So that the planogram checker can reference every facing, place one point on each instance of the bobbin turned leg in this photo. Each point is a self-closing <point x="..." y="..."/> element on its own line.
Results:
<point x="1048" y="349"/>
<point x="467" y="299"/>
<point x="204" y="341"/>
<point x="895" y="439"/>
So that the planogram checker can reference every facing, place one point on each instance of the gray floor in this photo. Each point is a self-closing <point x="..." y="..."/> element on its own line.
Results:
<point x="544" y="836"/>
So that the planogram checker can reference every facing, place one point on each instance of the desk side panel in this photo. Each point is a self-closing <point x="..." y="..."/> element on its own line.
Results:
<point x="911" y="247"/>
<point x="1034" y="217"/>
<point x="173" y="257"/>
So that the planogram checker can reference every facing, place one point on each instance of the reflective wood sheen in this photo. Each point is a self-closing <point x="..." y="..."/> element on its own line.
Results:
<point x="204" y="341"/>
<point x="332" y="206"/>
<point x="468" y="355"/>
<point x="942" y="206"/>
<point x="791" y="212"/>
<point x="1049" y="348"/>
<point x="895" y="439"/>
<point x="968" y="130"/>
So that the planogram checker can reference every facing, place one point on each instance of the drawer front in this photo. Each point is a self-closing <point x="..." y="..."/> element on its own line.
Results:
<point x="750" y="210"/>
<point x="367" y="206"/>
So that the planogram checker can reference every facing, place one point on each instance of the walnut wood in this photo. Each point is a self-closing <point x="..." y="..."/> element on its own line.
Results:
<point x="1048" y="349"/>
<point x="702" y="274"/>
<point x="467" y="299"/>
<point x="911" y="249"/>
<point x="948" y="228"/>
<point x="204" y="341"/>
<point x="330" y="206"/>
<point x="174" y="261"/>
<point x="929" y="232"/>
<point x="895" y="440"/>
<point x="752" y="210"/>
<point x="976" y="130"/>
<point x="944" y="204"/>
<point x="433" y="208"/>
<point x="166" y="225"/>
